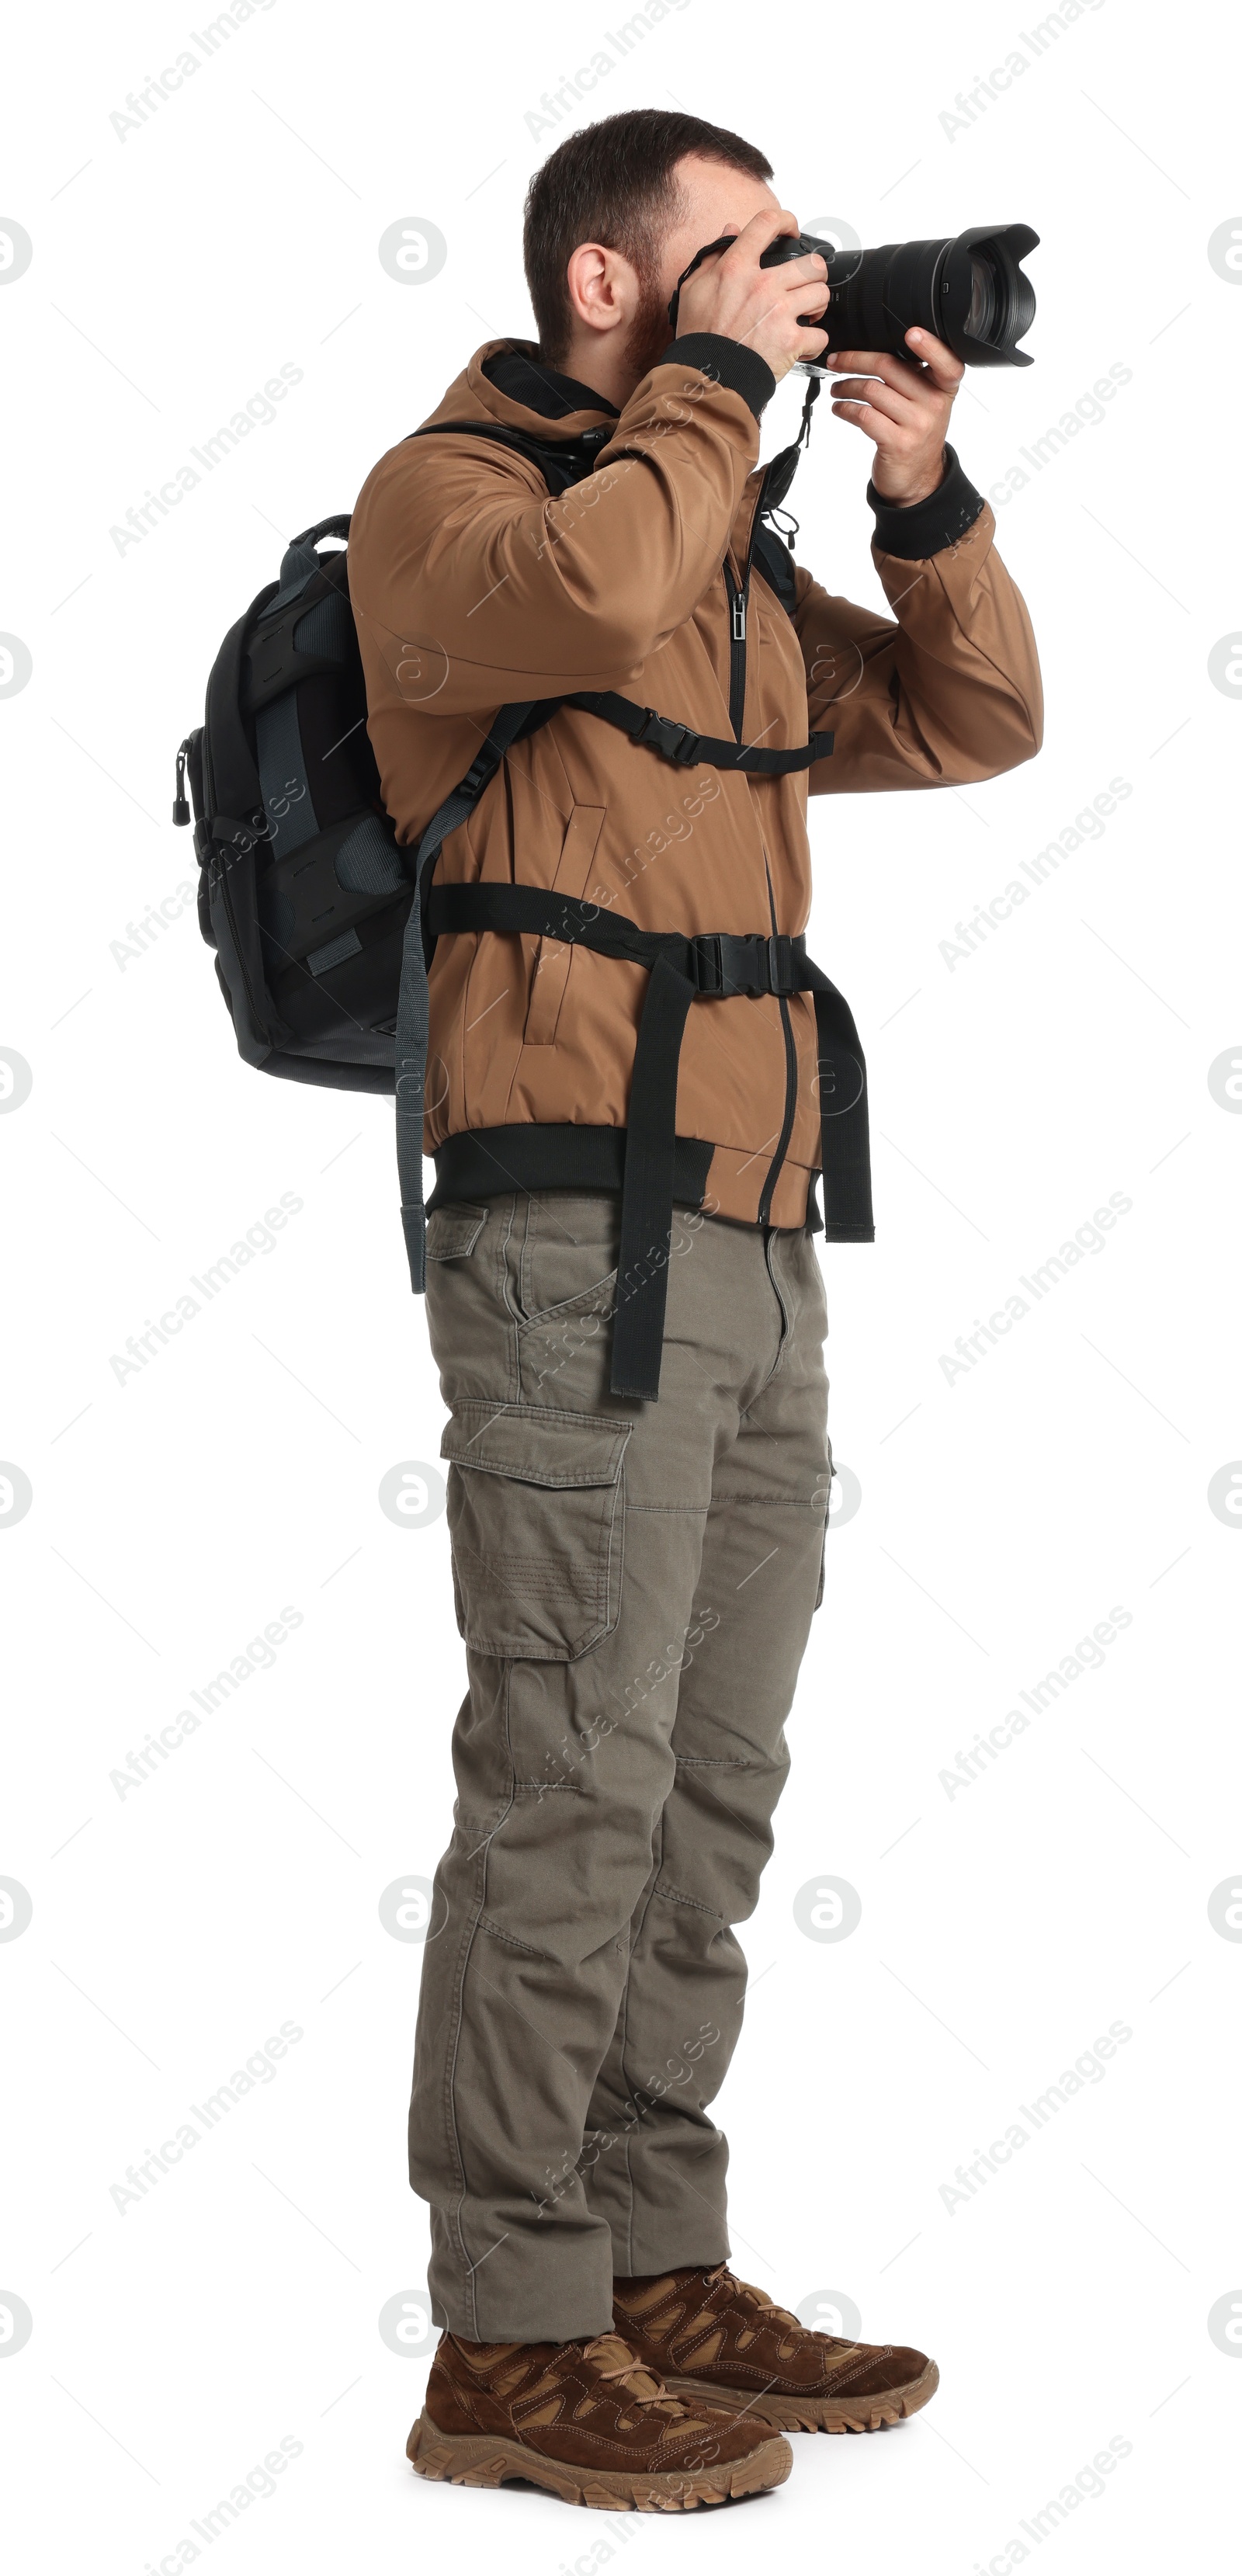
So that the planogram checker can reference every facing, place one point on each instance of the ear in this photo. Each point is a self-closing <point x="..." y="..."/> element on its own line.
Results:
<point x="603" y="287"/>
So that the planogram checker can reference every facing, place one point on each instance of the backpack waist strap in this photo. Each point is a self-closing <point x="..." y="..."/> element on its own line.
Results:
<point x="683" y="968"/>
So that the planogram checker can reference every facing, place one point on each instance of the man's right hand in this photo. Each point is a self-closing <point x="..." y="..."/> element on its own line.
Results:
<point x="732" y="295"/>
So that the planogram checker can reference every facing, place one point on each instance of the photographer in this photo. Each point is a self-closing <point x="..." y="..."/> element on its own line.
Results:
<point x="625" y="1301"/>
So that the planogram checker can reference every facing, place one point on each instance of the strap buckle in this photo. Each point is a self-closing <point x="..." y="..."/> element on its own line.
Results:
<point x="707" y="960"/>
<point x="781" y="965"/>
<point x="673" y="741"/>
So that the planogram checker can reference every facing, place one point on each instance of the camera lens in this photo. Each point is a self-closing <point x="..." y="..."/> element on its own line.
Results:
<point x="981" y="312"/>
<point x="970" y="292"/>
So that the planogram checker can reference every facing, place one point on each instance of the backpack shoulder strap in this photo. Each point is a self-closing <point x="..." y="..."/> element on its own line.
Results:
<point x="777" y="565"/>
<point x="560" y="463"/>
<point x="413" y="1000"/>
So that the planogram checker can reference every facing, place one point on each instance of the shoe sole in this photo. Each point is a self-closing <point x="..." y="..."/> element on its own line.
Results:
<point x="483" y="2460"/>
<point x="816" y="2414"/>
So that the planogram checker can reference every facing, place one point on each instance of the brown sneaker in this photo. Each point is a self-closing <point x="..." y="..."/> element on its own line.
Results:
<point x="589" y="2422"/>
<point x="720" y="2342"/>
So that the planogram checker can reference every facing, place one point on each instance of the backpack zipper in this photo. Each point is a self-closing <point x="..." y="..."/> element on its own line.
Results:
<point x="181" y="811"/>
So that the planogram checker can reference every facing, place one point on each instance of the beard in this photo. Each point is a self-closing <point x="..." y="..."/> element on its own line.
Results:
<point x="649" y="334"/>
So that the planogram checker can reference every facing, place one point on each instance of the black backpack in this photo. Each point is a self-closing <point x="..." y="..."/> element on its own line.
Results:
<point x="303" y="891"/>
<point x="323" y="926"/>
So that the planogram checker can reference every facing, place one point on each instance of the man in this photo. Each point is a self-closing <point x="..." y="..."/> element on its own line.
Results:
<point x="624" y="1298"/>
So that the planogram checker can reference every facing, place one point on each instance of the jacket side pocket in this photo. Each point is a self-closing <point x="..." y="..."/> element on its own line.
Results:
<point x="554" y="957"/>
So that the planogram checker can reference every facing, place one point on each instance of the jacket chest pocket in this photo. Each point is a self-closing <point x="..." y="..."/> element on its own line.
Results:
<point x="554" y="957"/>
<point x="536" y="1521"/>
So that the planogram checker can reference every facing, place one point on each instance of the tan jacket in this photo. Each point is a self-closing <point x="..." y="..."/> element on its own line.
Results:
<point x="472" y="588"/>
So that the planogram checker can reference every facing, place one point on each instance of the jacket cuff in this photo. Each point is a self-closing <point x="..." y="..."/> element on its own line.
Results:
<point x="924" y="527"/>
<point x="728" y="361"/>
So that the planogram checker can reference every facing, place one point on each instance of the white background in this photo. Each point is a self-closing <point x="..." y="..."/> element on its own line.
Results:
<point x="1002" y="1516"/>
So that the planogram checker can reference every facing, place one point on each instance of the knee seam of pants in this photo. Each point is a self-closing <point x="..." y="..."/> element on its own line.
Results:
<point x="497" y="1932"/>
<point x="626" y="2087"/>
<point x="675" y="1896"/>
<point x="458" y="2229"/>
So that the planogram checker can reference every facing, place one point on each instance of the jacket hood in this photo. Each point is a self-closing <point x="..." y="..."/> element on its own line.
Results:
<point x="506" y="381"/>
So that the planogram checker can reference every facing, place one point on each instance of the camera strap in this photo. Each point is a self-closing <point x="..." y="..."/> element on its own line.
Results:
<point x="707" y="252"/>
<point x="783" y="468"/>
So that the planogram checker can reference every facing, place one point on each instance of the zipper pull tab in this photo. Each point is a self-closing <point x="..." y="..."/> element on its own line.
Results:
<point x="739" y="617"/>
<point x="181" y="811"/>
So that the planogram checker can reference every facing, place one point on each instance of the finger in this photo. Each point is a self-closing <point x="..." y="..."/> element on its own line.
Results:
<point x="890" y="399"/>
<point x="764" y="228"/>
<point x="811" y="269"/>
<point x="882" y="363"/>
<point x="879" y="403"/>
<point x="945" y="371"/>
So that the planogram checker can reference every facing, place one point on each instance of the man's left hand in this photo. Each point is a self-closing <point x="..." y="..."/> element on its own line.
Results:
<point x="906" y="412"/>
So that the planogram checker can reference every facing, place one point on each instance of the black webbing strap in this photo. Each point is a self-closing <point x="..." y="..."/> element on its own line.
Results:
<point x="662" y="734"/>
<point x="714" y="962"/>
<point x="710" y="965"/>
<point x="647" y="1187"/>
<point x="412" y="999"/>
<point x="677" y="742"/>
<point x="845" y="1144"/>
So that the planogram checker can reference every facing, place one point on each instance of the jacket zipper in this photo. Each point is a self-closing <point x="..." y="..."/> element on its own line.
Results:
<point x="738" y="596"/>
<point x="737" y="648"/>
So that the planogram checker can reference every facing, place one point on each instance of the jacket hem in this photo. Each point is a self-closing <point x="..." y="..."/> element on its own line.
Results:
<point x="487" y="1162"/>
<point x="481" y="1162"/>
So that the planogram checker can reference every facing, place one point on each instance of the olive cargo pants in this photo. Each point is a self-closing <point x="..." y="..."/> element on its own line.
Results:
<point x="635" y="1584"/>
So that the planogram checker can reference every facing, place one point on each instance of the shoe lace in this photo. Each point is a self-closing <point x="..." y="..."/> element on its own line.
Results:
<point x="757" y="2299"/>
<point x="611" y="2358"/>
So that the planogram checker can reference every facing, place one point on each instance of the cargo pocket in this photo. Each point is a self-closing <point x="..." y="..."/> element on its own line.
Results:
<point x="536" y="1519"/>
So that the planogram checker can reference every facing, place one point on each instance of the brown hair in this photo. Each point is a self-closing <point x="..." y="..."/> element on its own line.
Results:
<point x="612" y="183"/>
